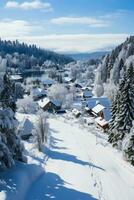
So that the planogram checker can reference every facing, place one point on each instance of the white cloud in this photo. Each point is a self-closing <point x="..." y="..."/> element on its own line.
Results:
<point x="33" y="33"/>
<point x="75" y="42"/>
<point x="32" y="5"/>
<point x="93" y="22"/>
<point x="17" y="28"/>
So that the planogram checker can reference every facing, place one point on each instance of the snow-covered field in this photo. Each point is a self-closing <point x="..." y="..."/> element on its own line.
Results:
<point x="79" y="165"/>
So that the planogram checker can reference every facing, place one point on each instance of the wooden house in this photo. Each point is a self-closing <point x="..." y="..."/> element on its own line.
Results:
<point x="50" y="105"/>
<point x="97" y="111"/>
<point x="102" y="124"/>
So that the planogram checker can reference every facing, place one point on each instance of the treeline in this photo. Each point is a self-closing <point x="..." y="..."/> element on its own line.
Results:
<point x="29" y="55"/>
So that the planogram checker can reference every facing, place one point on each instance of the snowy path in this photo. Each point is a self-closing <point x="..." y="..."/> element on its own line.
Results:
<point x="78" y="169"/>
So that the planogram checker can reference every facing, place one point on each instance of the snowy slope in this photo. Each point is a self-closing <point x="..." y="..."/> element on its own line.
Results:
<point x="82" y="166"/>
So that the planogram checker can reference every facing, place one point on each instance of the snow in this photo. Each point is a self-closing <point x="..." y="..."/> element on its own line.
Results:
<point x="76" y="112"/>
<point x="43" y="102"/>
<point x="56" y="102"/>
<point x="48" y="82"/>
<point x="16" y="77"/>
<point x="103" y="101"/>
<point x="98" y="108"/>
<point x="100" y="121"/>
<point x="38" y="92"/>
<point x="87" y="93"/>
<point x="26" y="127"/>
<point x="78" y="164"/>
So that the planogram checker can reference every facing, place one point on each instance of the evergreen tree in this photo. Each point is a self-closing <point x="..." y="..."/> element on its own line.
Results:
<point x="129" y="150"/>
<point x="10" y="146"/>
<point x="123" y="109"/>
<point x="7" y="96"/>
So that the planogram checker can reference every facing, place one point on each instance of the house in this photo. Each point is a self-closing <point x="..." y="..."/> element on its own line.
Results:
<point x="103" y="101"/>
<point x="68" y="80"/>
<point x="48" y="82"/>
<point x="78" y="85"/>
<point x="61" y="111"/>
<point x="50" y="105"/>
<point x="38" y="93"/>
<point x="87" y="94"/>
<point x="98" y="110"/>
<point x="25" y="129"/>
<point x="102" y="124"/>
<point x="76" y="113"/>
<point x="16" y="78"/>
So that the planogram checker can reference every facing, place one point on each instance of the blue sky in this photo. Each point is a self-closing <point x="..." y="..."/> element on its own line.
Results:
<point x="68" y="25"/>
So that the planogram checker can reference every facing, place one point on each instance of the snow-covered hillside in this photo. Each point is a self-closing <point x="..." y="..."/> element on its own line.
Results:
<point x="112" y="67"/>
<point x="79" y="165"/>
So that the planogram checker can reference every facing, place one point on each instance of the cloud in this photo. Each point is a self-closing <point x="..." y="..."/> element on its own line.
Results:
<point x="92" y="22"/>
<point x="33" y="33"/>
<point x="33" y="5"/>
<point x="73" y="43"/>
<point x="17" y="28"/>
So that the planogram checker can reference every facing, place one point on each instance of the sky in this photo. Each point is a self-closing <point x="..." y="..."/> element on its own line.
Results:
<point x="68" y="26"/>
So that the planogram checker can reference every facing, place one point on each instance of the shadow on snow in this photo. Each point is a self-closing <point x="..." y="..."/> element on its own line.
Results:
<point x="51" y="186"/>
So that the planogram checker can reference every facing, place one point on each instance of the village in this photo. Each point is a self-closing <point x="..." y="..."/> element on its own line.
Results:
<point x="73" y="97"/>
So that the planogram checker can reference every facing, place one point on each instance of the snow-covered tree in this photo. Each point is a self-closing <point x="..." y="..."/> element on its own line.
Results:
<point x="123" y="109"/>
<point x="10" y="146"/>
<point x="129" y="147"/>
<point x="27" y="105"/>
<point x="57" y="91"/>
<point x="98" y="85"/>
<point x="41" y="129"/>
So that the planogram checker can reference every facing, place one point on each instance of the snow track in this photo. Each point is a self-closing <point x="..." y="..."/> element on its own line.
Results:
<point x="82" y="168"/>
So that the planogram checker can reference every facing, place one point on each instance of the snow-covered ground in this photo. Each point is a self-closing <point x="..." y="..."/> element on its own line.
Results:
<point x="79" y="165"/>
<point x="82" y="166"/>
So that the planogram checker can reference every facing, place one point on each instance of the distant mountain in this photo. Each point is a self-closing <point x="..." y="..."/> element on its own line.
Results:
<point x="88" y="56"/>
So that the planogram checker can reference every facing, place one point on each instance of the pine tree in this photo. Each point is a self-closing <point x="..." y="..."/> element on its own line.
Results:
<point x="129" y="149"/>
<point x="10" y="145"/>
<point x="7" y="96"/>
<point x="123" y="109"/>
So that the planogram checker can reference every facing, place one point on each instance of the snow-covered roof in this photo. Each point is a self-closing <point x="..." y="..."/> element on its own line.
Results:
<point x="56" y="102"/>
<point x="100" y="121"/>
<point x="48" y="82"/>
<point x="75" y="111"/>
<point x="87" y="93"/>
<point x="77" y="105"/>
<point x="15" y="77"/>
<point x="43" y="102"/>
<point x="98" y="108"/>
<point x="91" y="103"/>
<point x="38" y="92"/>
<point x="26" y="126"/>
<point x="67" y="79"/>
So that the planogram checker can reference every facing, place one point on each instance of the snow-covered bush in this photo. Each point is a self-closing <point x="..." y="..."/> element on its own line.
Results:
<point x="27" y="105"/>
